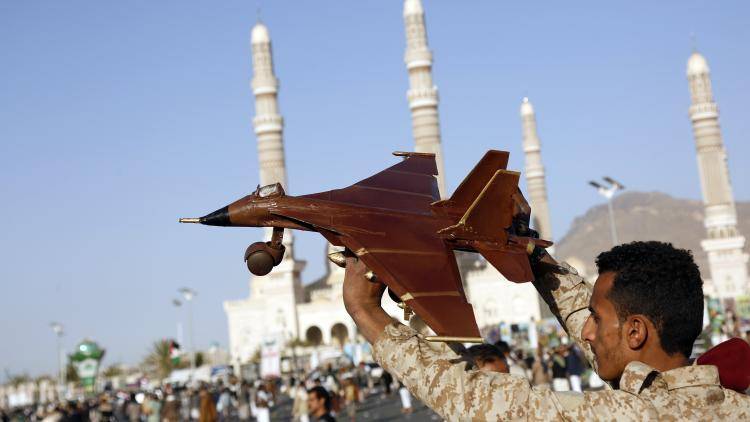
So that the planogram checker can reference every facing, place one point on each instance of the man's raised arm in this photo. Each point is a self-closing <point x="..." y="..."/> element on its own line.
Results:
<point x="436" y="375"/>
<point x="567" y="294"/>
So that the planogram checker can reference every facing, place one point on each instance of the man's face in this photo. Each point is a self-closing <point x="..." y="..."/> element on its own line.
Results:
<point x="494" y="365"/>
<point x="603" y="331"/>
<point x="314" y="404"/>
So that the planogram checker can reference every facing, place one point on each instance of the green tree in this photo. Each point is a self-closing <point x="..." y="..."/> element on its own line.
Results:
<point x="113" y="370"/>
<point x="199" y="359"/>
<point x="18" y="379"/>
<point x="158" y="363"/>
<point x="71" y="375"/>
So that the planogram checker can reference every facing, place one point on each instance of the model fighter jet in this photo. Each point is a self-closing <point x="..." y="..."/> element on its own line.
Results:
<point x="397" y="225"/>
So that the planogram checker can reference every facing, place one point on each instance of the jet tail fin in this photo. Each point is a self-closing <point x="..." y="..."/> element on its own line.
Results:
<point x="491" y="212"/>
<point x="475" y="181"/>
<point x="487" y="226"/>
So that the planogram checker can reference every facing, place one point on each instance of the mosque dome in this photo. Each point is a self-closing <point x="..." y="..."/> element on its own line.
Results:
<point x="413" y="7"/>
<point x="259" y="34"/>
<point x="697" y="64"/>
<point x="526" y="107"/>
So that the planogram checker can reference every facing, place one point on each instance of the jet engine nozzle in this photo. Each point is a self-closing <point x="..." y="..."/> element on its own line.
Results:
<point x="261" y="257"/>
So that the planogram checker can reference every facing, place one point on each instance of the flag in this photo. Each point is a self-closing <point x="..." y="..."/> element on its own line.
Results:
<point x="174" y="352"/>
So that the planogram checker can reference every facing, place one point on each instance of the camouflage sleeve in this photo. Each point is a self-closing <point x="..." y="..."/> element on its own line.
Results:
<point x="568" y="295"/>
<point x="435" y="376"/>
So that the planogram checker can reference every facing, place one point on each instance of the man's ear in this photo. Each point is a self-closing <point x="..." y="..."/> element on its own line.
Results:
<point x="636" y="328"/>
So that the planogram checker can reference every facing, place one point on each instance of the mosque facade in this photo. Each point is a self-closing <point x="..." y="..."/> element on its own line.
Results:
<point x="280" y="307"/>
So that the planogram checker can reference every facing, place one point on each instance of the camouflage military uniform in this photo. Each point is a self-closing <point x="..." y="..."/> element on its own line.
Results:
<point x="432" y="374"/>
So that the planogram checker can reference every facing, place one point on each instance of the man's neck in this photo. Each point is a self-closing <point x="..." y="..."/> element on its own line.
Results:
<point x="655" y="357"/>
<point x="664" y="362"/>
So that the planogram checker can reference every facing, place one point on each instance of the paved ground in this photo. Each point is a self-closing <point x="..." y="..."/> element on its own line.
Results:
<point x="375" y="408"/>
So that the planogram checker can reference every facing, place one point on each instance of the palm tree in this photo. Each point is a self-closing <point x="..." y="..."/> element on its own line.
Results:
<point x="158" y="362"/>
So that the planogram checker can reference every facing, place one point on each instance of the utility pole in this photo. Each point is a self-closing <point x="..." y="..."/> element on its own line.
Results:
<point x="59" y="331"/>
<point x="188" y="294"/>
<point x="608" y="190"/>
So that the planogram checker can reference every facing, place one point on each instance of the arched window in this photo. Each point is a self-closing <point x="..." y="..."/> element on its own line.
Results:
<point x="314" y="336"/>
<point x="339" y="334"/>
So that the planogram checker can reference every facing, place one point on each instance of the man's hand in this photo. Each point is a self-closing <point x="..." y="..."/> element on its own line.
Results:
<point x="362" y="300"/>
<point x="359" y="293"/>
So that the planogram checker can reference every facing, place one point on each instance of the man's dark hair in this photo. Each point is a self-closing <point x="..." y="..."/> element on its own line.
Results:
<point x="503" y="347"/>
<point x="321" y="393"/>
<point x="663" y="283"/>
<point x="482" y="353"/>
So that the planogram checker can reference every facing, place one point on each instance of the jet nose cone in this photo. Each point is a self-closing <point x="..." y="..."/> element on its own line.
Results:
<point x="219" y="217"/>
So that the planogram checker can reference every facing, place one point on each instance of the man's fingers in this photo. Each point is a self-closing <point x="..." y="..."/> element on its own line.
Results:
<point x="340" y="257"/>
<point x="521" y="206"/>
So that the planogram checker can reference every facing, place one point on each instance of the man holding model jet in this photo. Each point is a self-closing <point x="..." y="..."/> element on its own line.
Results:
<point x="636" y="325"/>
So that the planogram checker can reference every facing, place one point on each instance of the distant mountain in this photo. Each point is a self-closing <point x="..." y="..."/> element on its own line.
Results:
<point x="641" y="216"/>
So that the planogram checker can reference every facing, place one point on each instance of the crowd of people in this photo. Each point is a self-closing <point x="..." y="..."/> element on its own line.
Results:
<point x="323" y="394"/>
<point x="561" y="368"/>
<point x="334" y="391"/>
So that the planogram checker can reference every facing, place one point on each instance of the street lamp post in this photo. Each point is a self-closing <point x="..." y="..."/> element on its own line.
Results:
<point x="58" y="329"/>
<point x="177" y="304"/>
<point x="188" y="294"/>
<point x="608" y="190"/>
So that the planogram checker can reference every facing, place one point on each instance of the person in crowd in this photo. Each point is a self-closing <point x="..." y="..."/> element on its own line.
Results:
<point x="224" y="403"/>
<point x="207" y="406"/>
<point x="574" y="367"/>
<point x="106" y="410"/>
<point x="351" y="397"/>
<point x="299" y="406"/>
<point x="386" y="379"/>
<point x="319" y="404"/>
<point x="514" y="367"/>
<point x="262" y="404"/>
<point x="133" y="409"/>
<point x="559" y="370"/>
<point x="405" y="397"/>
<point x="151" y="408"/>
<point x="243" y="401"/>
<point x="170" y="410"/>
<point x="488" y="357"/>
<point x="540" y="370"/>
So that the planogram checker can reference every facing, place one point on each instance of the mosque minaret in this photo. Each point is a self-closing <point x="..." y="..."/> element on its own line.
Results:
<point x="271" y="309"/>
<point x="723" y="244"/>
<point x="422" y="94"/>
<point x="268" y="123"/>
<point x="535" y="182"/>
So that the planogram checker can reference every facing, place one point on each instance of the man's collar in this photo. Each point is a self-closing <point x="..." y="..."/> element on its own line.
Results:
<point x="634" y="376"/>
<point x="694" y="375"/>
<point x="638" y="375"/>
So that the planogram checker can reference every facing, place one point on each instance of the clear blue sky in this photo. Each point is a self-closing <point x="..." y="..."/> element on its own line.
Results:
<point x="116" y="118"/>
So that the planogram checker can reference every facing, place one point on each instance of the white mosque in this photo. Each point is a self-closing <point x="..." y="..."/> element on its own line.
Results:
<point x="280" y="307"/>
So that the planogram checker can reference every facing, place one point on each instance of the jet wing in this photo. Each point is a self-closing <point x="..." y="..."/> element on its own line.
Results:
<point x="405" y="254"/>
<point x="420" y="268"/>
<point x="409" y="186"/>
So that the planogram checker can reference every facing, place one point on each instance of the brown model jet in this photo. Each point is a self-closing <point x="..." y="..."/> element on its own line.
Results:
<point x="397" y="225"/>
